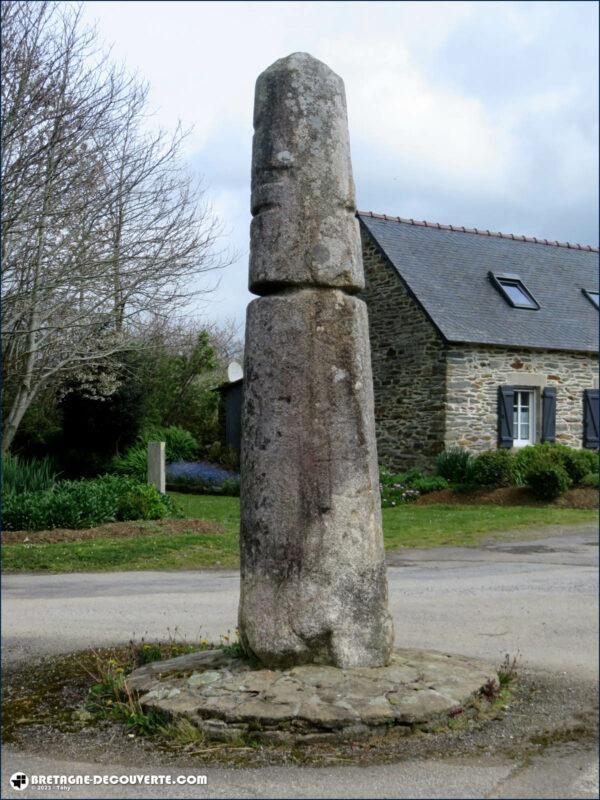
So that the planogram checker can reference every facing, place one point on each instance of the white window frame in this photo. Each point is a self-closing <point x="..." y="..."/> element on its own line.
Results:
<point x="517" y="440"/>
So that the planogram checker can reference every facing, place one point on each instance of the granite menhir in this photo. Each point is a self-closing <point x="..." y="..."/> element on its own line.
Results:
<point x="313" y="581"/>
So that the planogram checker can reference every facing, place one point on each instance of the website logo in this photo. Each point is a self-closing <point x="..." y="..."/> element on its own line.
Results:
<point x="19" y="781"/>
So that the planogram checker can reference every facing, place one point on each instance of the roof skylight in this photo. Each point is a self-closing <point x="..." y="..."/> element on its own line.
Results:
<point x="514" y="291"/>
<point x="592" y="296"/>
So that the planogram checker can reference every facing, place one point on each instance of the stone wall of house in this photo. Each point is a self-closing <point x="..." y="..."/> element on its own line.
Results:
<point x="408" y="369"/>
<point x="475" y="372"/>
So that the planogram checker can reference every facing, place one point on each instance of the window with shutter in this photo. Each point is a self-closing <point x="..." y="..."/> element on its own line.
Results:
<point x="523" y="417"/>
<point x="506" y="396"/>
<point x="591" y="413"/>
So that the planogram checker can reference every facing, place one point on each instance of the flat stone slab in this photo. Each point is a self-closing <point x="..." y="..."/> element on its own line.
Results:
<point x="227" y="697"/>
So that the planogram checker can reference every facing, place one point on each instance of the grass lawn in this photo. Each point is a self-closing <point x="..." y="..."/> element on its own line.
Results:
<point x="406" y="526"/>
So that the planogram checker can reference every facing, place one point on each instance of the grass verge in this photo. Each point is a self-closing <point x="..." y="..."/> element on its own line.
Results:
<point x="403" y="526"/>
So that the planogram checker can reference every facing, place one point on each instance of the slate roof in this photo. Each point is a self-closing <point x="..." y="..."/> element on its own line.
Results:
<point x="446" y="269"/>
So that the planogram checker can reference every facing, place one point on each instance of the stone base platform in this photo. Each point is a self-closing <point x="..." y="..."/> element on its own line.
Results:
<point x="226" y="697"/>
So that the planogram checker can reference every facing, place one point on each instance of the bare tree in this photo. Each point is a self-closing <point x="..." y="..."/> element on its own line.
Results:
<point x="101" y="225"/>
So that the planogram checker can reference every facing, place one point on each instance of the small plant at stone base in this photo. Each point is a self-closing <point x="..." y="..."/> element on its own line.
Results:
<point x="507" y="671"/>
<point x="490" y="690"/>
<point x="458" y="719"/>
<point x="495" y="690"/>
<point x="143" y="652"/>
<point x="235" y="650"/>
<point x="181" y="733"/>
<point x="109" y="697"/>
<point x="135" y="718"/>
<point x="232" y="646"/>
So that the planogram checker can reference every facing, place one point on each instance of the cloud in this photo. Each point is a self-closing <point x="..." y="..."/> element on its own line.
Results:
<point x="395" y="107"/>
<point x="478" y="114"/>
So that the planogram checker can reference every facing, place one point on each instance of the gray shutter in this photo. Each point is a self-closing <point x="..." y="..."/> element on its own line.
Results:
<point x="506" y="396"/>
<point x="591" y="407"/>
<point x="549" y="414"/>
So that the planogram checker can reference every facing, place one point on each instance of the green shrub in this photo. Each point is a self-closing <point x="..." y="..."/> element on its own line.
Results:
<point x="548" y="480"/>
<point x="412" y="475"/>
<point x="215" y="452"/>
<point x="407" y="486"/>
<point x="133" y="464"/>
<point x="180" y="445"/>
<point x="576" y="463"/>
<point x="398" y="495"/>
<point x="83" y="504"/>
<point x="142" y="502"/>
<point x="231" y="487"/>
<point x="492" y="468"/>
<point x="398" y="489"/>
<point x="529" y="457"/>
<point x="592" y="459"/>
<point x="453" y="464"/>
<point x="387" y="478"/>
<point x="26" y="475"/>
<point x="592" y="479"/>
<point x="224" y="455"/>
<point x="434" y="483"/>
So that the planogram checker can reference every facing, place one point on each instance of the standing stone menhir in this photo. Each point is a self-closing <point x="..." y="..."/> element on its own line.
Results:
<point x="313" y="582"/>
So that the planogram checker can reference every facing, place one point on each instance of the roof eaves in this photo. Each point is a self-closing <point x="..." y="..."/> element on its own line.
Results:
<point x="385" y="256"/>
<point x="461" y="229"/>
<point x="521" y="347"/>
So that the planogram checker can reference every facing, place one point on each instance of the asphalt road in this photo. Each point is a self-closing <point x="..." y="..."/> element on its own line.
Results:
<point x="567" y="776"/>
<point x="536" y="597"/>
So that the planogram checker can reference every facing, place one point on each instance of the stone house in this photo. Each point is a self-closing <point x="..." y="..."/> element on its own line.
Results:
<point x="478" y="339"/>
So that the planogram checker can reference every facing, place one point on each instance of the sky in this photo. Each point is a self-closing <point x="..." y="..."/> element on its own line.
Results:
<point x="475" y="114"/>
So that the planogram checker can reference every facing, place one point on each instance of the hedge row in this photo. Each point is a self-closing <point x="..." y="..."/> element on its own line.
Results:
<point x="84" y="504"/>
<point x="549" y="469"/>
